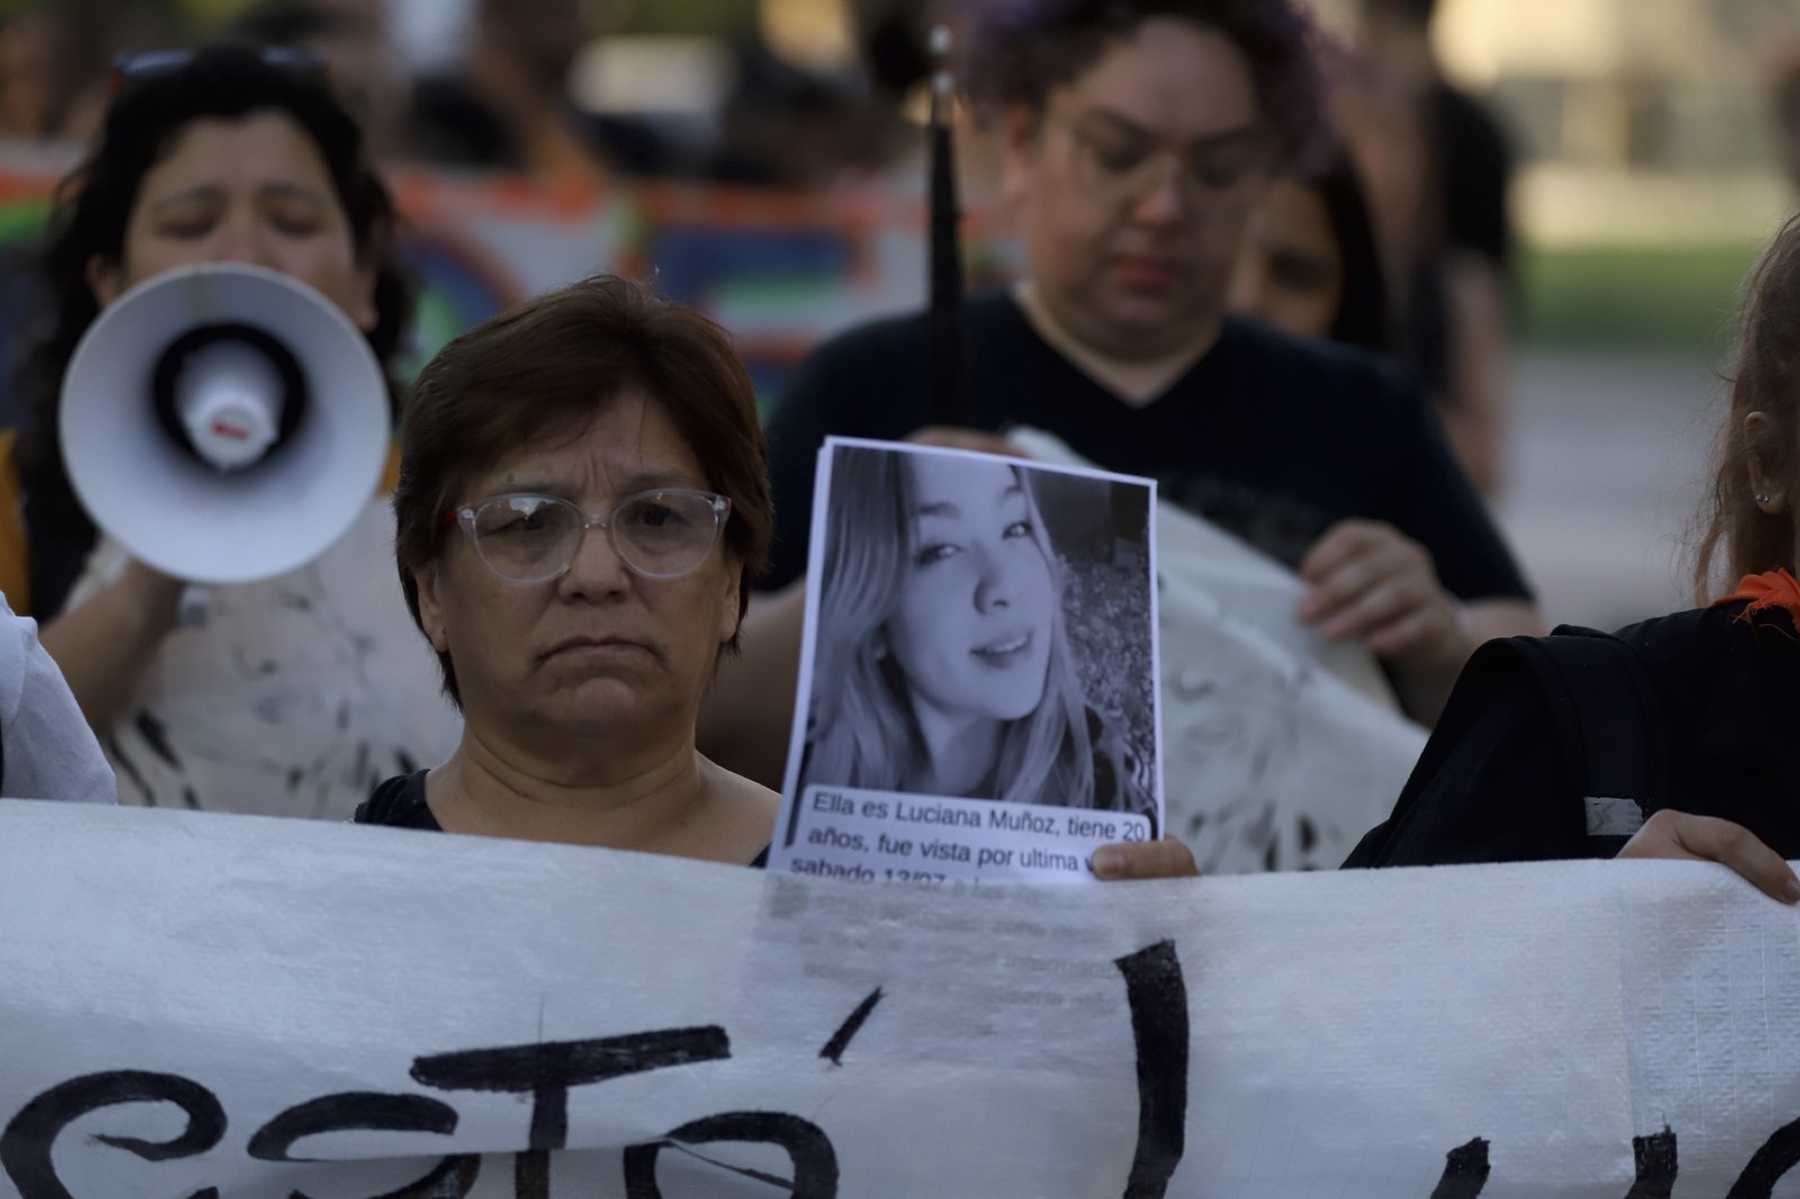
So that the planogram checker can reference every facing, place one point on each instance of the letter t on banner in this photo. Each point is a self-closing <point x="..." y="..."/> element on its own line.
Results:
<point x="547" y="1070"/>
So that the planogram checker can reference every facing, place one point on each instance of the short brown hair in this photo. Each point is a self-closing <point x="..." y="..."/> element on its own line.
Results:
<point x="1767" y="381"/>
<point x="554" y="363"/>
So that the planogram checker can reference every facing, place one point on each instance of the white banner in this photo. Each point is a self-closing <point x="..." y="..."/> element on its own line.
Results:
<point x="196" y="1004"/>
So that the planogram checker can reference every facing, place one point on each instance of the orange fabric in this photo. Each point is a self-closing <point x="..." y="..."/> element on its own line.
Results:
<point x="1771" y="589"/>
<point x="15" y="572"/>
<point x="390" y="474"/>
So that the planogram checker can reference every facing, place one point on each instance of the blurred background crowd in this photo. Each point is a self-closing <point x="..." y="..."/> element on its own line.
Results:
<point x="1558" y="199"/>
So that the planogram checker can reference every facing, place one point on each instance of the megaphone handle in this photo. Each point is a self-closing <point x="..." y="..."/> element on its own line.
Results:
<point x="193" y="608"/>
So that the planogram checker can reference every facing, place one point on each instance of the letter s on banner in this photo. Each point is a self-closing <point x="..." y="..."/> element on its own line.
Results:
<point x="355" y="1111"/>
<point x="26" y="1144"/>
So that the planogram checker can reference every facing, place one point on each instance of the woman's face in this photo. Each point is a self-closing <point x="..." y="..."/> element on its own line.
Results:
<point x="1134" y="184"/>
<point x="1291" y="273"/>
<point x="600" y="648"/>
<point x="977" y="604"/>
<point x="254" y="190"/>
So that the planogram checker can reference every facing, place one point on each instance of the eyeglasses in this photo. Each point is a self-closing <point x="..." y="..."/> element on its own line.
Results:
<point x="1127" y="164"/>
<point x="130" y="67"/>
<point x="661" y="534"/>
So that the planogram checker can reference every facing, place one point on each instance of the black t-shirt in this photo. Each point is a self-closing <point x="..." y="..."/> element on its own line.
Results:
<point x="1474" y="165"/>
<point x="400" y="803"/>
<point x="1273" y="438"/>
<point x="1496" y="783"/>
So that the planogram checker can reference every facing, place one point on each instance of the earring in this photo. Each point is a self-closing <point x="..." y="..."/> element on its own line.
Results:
<point x="1762" y="499"/>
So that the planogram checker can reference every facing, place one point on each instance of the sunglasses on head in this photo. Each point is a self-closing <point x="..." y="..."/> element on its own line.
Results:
<point x="129" y="68"/>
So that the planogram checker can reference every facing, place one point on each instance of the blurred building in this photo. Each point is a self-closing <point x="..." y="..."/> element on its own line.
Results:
<point x="1637" y="119"/>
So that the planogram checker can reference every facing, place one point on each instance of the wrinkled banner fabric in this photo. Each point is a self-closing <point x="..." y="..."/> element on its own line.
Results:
<point x="197" y="1005"/>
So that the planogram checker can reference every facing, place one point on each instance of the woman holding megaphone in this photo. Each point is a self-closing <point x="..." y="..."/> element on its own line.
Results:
<point x="261" y="699"/>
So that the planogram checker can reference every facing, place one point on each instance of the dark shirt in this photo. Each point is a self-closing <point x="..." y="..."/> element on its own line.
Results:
<point x="1273" y="438"/>
<point x="1496" y="782"/>
<point x="1474" y="167"/>
<point x="400" y="803"/>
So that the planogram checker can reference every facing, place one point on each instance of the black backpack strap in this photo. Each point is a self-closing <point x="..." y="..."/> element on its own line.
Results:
<point x="1608" y="718"/>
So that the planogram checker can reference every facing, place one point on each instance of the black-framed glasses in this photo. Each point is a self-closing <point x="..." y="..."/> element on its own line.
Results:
<point x="128" y="68"/>
<point x="665" y="533"/>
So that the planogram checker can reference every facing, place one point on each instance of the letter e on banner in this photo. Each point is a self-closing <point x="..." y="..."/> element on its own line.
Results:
<point x="356" y="1111"/>
<point x="25" y="1146"/>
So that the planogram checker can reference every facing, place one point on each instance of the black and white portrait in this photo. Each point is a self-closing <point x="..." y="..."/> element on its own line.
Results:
<point x="984" y="630"/>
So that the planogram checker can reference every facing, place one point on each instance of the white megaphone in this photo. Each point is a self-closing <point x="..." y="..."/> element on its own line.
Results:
<point x="224" y="423"/>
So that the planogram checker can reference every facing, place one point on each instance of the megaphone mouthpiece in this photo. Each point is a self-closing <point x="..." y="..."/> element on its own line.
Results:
<point x="229" y="394"/>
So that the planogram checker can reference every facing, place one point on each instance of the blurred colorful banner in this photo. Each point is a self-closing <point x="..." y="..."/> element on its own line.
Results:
<point x="780" y="270"/>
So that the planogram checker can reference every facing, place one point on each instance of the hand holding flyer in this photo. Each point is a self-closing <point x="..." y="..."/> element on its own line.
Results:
<point x="978" y="696"/>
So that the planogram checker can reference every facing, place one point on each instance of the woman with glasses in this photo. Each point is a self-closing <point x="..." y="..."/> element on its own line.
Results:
<point x="1137" y="140"/>
<point x="583" y="503"/>
<point x="289" y="697"/>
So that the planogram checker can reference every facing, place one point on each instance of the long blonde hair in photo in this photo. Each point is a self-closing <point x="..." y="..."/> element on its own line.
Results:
<point x="861" y="731"/>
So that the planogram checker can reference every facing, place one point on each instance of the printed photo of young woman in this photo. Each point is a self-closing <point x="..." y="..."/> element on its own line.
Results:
<point x="983" y="629"/>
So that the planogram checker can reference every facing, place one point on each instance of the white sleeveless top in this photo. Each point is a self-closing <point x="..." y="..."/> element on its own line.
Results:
<point x="290" y="697"/>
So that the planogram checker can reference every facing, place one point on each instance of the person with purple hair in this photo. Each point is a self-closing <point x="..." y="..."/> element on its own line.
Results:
<point x="1137" y="139"/>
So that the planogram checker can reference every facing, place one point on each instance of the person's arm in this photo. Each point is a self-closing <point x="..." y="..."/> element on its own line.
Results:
<point x="812" y="407"/>
<point x="1424" y="682"/>
<point x="748" y="715"/>
<point x="1493" y="784"/>
<point x="1476" y="417"/>
<point x="50" y="752"/>
<point x="1426" y="577"/>
<point x="103" y="645"/>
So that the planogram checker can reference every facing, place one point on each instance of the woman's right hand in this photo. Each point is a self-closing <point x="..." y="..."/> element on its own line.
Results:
<point x="1683" y="837"/>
